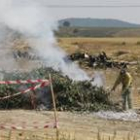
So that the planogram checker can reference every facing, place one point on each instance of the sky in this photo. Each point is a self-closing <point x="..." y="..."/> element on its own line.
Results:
<point x="130" y="14"/>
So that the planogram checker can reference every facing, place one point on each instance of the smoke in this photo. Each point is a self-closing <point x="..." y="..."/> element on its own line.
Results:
<point x="99" y="79"/>
<point x="31" y="20"/>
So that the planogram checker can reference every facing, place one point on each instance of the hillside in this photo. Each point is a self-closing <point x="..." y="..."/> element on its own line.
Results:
<point x="89" y="22"/>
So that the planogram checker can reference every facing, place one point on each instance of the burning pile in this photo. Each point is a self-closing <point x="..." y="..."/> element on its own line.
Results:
<point x="70" y="95"/>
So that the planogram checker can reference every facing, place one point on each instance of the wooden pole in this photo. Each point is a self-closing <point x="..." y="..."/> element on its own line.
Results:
<point x="33" y="98"/>
<point x="54" y="106"/>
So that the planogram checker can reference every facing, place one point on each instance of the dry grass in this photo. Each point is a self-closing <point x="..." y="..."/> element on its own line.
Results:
<point x="13" y="135"/>
<point x="110" y="45"/>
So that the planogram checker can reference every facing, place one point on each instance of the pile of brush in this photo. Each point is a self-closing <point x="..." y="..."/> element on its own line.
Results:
<point x="70" y="95"/>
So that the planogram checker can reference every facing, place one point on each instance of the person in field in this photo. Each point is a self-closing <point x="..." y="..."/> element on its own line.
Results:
<point x="125" y="79"/>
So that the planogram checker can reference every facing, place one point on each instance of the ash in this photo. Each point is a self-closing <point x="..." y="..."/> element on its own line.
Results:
<point x="130" y="115"/>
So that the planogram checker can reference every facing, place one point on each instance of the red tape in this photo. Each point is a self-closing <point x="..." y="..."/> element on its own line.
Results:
<point x="44" y="83"/>
<point x="2" y="126"/>
<point x="24" y="81"/>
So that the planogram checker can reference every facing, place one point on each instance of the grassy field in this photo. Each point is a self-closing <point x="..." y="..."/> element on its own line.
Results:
<point x="73" y="126"/>
<point x="130" y="46"/>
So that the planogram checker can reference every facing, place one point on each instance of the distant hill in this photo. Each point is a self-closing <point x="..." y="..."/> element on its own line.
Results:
<point x="89" y="22"/>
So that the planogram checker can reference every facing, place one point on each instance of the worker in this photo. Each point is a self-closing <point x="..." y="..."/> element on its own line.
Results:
<point x="126" y="80"/>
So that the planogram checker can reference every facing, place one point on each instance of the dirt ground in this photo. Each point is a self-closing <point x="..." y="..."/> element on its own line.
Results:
<point x="81" y="126"/>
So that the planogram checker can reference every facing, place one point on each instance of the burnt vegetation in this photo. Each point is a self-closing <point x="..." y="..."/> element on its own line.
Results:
<point x="99" y="61"/>
<point x="17" y="54"/>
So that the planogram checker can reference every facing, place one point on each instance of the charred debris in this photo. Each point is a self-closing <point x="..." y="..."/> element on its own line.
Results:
<point x="99" y="61"/>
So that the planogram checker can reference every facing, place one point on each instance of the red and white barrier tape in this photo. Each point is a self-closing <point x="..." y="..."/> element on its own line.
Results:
<point x="2" y="126"/>
<point x="27" y="90"/>
<point x="42" y="84"/>
<point x="24" y="81"/>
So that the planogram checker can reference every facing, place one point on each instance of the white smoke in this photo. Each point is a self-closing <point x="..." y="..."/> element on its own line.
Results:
<point x="30" y="18"/>
<point x="99" y="79"/>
